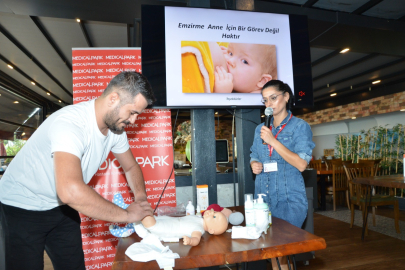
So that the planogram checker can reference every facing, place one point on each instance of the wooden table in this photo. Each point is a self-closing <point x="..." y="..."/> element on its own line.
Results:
<point x="390" y="181"/>
<point x="282" y="239"/>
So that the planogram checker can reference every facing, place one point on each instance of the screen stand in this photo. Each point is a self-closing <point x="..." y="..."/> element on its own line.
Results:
<point x="203" y="153"/>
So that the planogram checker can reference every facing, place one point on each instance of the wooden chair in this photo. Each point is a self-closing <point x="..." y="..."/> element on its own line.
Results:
<point x="315" y="164"/>
<point x="375" y="163"/>
<point x="339" y="183"/>
<point x="372" y="162"/>
<point x="358" y="192"/>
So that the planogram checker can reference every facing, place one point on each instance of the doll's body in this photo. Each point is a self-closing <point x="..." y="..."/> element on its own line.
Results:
<point x="212" y="222"/>
<point x="190" y="228"/>
<point x="177" y="227"/>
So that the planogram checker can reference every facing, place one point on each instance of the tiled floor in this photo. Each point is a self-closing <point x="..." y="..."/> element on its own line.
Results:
<point x="384" y="225"/>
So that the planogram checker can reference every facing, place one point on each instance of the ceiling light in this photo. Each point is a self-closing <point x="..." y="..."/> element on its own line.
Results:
<point x="345" y="50"/>
<point x="60" y="101"/>
<point x="33" y="83"/>
<point x="77" y="20"/>
<point x="216" y="112"/>
<point x="16" y="102"/>
<point x="262" y="116"/>
<point x="333" y="94"/>
<point x="402" y="110"/>
<point x="23" y="134"/>
<point x="48" y="94"/>
<point x="377" y="81"/>
<point x="354" y="117"/>
<point x="10" y="66"/>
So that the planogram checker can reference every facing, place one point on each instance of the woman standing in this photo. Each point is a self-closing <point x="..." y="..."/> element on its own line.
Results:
<point x="279" y="162"/>
<point x="285" y="153"/>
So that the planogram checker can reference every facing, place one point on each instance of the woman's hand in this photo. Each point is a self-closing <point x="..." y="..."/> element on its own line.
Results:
<point x="257" y="167"/>
<point x="267" y="135"/>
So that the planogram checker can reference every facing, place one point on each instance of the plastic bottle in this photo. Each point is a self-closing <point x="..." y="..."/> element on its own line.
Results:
<point x="190" y="209"/>
<point x="249" y="211"/>
<point x="270" y="222"/>
<point x="261" y="212"/>
<point x="198" y="211"/>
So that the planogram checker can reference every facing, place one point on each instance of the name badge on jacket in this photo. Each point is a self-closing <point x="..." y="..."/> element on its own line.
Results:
<point x="270" y="166"/>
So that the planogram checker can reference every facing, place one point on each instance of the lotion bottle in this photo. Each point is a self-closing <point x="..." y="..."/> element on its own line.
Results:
<point x="190" y="209"/>
<point x="249" y="211"/>
<point x="261" y="213"/>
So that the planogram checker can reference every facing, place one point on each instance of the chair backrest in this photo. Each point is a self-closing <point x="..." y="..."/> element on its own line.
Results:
<point x="339" y="176"/>
<point x="372" y="162"/>
<point x="331" y="162"/>
<point x="315" y="164"/>
<point x="354" y="170"/>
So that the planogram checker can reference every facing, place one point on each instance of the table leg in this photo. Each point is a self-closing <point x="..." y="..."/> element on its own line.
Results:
<point x="293" y="258"/>
<point x="288" y="263"/>
<point x="278" y="263"/>
<point x="322" y="183"/>
<point x="365" y="216"/>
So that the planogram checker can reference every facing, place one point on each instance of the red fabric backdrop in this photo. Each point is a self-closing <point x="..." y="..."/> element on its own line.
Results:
<point x="150" y="139"/>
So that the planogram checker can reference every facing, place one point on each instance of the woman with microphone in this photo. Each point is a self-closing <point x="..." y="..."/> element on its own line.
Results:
<point x="279" y="154"/>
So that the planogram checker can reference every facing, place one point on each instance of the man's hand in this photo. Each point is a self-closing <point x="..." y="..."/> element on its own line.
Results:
<point x="257" y="167"/>
<point x="223" y="81"/>
<point x="138" y="210"/>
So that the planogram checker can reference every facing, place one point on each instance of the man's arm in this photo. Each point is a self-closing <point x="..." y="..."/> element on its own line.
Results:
<point x="72" y="191"/>
<point x="133" y="173"/>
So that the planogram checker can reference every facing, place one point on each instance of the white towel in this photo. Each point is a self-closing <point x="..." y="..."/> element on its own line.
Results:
<point x="150" y="248"/>
<point x="240" y="232"/>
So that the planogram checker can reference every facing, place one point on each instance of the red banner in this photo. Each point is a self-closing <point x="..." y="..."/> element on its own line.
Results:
<point x="150" y="139"/>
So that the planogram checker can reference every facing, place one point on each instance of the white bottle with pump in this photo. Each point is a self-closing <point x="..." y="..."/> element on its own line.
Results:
<point x="261" y="213"/>
<point x="249" y="211"/>
<point x="190" y="209"/>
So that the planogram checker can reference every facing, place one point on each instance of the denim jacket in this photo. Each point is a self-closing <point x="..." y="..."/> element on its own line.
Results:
<point x="284" y="188"/>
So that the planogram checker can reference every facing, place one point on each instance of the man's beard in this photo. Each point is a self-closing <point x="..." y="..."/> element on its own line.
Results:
<point x="112" y="121"/>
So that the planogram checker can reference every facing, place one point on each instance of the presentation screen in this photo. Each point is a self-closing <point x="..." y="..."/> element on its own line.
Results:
<point x="202" y="58"/>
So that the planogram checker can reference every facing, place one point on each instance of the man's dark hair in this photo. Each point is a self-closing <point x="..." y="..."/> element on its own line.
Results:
<point x="281" y="87"/>
<point x="127" y="85"/>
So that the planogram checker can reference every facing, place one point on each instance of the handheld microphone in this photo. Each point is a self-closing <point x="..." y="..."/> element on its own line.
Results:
<point x="268" y="112"/>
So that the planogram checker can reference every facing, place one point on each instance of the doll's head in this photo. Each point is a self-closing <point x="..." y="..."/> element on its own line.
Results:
<point x="215" y="222"/>
<point x="227" y="212"/>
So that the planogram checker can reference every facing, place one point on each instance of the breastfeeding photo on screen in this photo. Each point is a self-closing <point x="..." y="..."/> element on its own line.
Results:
<point x="226" y="67"/>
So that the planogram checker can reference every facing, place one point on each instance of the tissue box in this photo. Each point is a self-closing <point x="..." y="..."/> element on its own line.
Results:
<point x="202" y="197"/>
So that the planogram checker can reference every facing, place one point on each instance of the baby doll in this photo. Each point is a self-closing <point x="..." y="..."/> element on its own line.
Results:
<point x="190" y="228"/>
